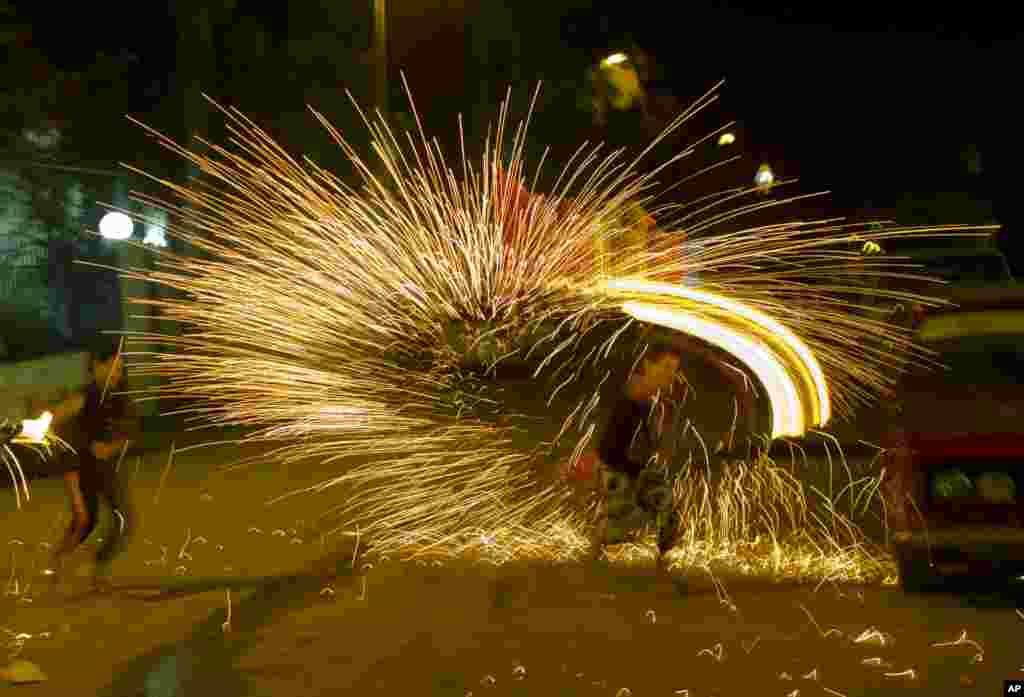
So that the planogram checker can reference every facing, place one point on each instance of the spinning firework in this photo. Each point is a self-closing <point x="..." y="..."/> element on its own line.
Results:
<point x="365" y="326"/>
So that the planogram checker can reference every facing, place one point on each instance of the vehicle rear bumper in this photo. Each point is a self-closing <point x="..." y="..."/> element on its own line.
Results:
<point x="956" y="551"/>
<point x="955" y="537"/>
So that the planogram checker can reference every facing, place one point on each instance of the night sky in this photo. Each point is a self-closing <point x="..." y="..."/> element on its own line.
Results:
<point x="870" y="99"/>
<point x="865" y="97"/>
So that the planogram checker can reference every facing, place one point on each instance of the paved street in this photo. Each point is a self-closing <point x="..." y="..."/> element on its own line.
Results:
<point x="302" y="620"/>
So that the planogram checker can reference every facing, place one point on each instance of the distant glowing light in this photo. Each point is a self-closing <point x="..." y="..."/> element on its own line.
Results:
<point x="871" y="248"/>
<point x="44" y="139"/>
<point x="626" y="88"/>
<point x="156" y="236"/>
<point x="156" y="229"/>
<point x="615" y="59"/>
<point x="726" y="139"/>
<point x="764" y="178"/>
<point x="116" y="226"/>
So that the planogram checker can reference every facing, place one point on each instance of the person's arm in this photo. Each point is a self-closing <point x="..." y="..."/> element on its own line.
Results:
<point x="124" y="429"/>
<point x="103" y="450"/>
<point x="744" y="397"/>
<point x="735" y="376"/>
<point x="738" y="379"/>
<point x="127" y="426"/>
<point x="67" y="410"/>
<point x="609" y="438"/>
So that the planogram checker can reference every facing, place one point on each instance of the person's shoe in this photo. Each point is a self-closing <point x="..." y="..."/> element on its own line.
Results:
<point x="668" y="531"/>
<point x="59" y="580"/>
<point x="101" y="586"/>
<point x="101" y="579"/>
<point x="680" y="584"/>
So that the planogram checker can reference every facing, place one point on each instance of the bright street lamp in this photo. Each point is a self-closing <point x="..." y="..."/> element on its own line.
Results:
<point x="116" y="226"/>
<point x="614" y="59"/>
<point x="726" y="139"/>
<point x="764" y="178"/>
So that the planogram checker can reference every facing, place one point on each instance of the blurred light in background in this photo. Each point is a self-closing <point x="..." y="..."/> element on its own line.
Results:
<point x="614" y="59"/>
<point x="156" y="230"/>
<point x="116" y="226"/>
<point x="764" y="178"/>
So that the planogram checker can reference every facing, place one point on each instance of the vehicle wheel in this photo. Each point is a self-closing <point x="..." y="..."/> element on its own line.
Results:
<point x="915" y="574"/>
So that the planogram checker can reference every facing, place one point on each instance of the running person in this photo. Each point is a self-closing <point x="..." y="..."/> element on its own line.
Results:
<point x="99" y="425"/>
<point x="635" y="493"/>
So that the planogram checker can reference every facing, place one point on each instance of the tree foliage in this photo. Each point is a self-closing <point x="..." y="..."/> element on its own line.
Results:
<point x="60" y="129"/>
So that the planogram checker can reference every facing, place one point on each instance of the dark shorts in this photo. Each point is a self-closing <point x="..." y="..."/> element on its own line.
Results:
<point x="100" y="481"/>
<point x="634" y="503"/>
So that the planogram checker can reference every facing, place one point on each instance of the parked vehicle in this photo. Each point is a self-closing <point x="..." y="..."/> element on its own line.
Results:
<point x="964" y="268"/>
<point x="959" y="268"/>
<point x="955" y="452"/>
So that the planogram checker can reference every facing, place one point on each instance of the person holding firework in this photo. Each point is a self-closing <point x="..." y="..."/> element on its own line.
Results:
<point x="635" y="493"/>
<point x="99" y="424"/>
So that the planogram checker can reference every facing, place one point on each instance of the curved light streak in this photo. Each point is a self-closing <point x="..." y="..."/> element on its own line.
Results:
<point x="766" y="341"/>
<point x="787" y="407"/>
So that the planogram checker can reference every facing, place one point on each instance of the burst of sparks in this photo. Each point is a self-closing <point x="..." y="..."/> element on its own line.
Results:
<point x="34" y="434"/>
<point x="363" y="327"/>
<point x="782" y="366"/>
<point x="783" y="394"/>
<point x="35" y="430"/>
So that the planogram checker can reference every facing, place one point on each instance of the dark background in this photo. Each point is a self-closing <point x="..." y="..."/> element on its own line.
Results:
<point x="873" y="101"/>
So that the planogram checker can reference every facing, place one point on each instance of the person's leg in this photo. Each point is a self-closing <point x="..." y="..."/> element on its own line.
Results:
<point x="84" y="501"/>
<point x="117" y="496"/>
<point x="624" y="517"/>
<point x="605" y="483"/>
<point x="598" y="536"/>
<point x="655" y="496"/>
<point x="668" y="536"/>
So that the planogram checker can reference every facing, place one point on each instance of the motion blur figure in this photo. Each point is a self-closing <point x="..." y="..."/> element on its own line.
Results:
<point x="635" y="492"/>
<point x="99" y="425"/>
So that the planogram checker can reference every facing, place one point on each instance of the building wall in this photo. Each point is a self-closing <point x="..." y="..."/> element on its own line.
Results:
<point x="27" y="388"/>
